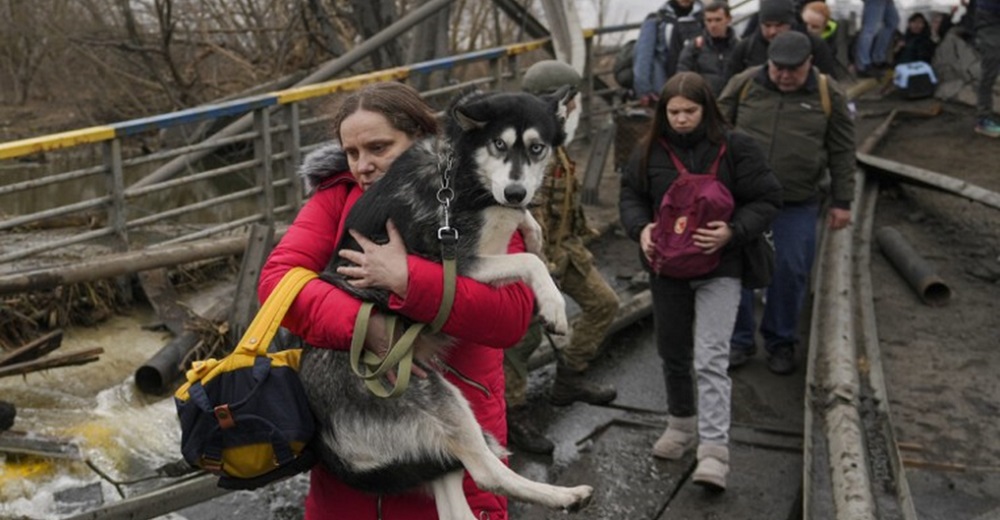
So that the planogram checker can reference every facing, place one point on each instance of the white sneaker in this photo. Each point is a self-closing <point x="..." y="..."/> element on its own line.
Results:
<point x="679" y="438"/>
<point x="713" y="467"/>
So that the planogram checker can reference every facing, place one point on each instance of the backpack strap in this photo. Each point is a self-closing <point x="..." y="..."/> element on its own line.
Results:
<point x="713" y="169"/>
<point x="824" y="94"/>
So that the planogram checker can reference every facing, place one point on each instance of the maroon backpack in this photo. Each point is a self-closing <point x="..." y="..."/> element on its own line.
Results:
<point x="692" y="201"/>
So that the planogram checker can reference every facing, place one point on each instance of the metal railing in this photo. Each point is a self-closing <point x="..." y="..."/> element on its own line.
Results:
<point x="88" y="188"/>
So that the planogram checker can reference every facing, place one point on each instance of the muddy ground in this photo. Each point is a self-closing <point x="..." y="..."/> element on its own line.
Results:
<point x="941" y="363"/>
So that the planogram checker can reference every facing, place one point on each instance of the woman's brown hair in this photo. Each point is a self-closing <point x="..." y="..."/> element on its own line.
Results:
<point x="691" y="86"/>
<point x="400" y="104"/>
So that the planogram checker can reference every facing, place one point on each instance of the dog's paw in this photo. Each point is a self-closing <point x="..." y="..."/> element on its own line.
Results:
<point x="534" y="238"/>
<point x="580" y="497"/>
<point x="553" y="313"/>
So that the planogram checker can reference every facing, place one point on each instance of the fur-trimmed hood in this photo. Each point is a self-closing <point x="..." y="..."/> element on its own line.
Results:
<point x="322" y="164"/>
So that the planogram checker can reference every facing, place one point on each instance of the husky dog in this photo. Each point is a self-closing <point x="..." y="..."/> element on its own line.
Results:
<point x="495" y="151"/>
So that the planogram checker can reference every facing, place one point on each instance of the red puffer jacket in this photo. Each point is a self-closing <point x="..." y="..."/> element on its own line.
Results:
<point x="484" y="320"/>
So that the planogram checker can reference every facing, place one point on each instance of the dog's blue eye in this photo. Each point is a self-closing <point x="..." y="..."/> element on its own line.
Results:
<point x="500" y="144"/>
<point x="537" y="149"/>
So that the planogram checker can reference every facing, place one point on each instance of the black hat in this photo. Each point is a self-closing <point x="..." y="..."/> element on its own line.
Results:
<point x="789" y="49"/>
<point x="782" y="11"/>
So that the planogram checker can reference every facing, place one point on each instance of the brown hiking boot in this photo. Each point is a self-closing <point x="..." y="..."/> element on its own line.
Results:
<point x="523" y="434"/>
<point x="571" y="386"/>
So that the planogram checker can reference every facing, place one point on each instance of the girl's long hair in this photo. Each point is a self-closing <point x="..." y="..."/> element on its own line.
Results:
<point x="691" y="86"/>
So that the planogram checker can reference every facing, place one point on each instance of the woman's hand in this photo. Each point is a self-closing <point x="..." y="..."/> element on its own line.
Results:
<point x="383" y="266"/>
<point x="377" y="341"/>
<point x="646" y="241"/>
<point x="713" y="236"/>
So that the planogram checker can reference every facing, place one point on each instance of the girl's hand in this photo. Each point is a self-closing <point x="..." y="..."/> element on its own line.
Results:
<point x="646" y="241"/>
<point x="383" y="266"/>
<point x="713" y="236"/>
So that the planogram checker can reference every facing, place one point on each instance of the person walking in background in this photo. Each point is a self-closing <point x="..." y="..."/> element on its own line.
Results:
<point x="941" y="24"/>
<point x="694" y="316"/>
<point x="658" y="47"/>
<point x="708" y="52"/>
<point x="879" y="22"/>
<point x="987" y="25"/>
<point x="775" y="17"/>
<point x="800" y="119"/>
<point x="916" y="44"/>
<point x="371" y="128"/>
<point x="557" y="208"/>
<point x="819" y="21"/>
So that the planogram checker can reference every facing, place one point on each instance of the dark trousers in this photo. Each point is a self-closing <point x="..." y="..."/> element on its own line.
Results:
<point x="988" y="45"/>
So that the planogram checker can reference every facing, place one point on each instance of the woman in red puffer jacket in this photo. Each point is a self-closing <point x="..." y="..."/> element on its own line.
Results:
<point x="374" y="126"/>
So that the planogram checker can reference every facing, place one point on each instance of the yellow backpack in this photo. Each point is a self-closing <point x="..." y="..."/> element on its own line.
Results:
<point x="245" y="417"/>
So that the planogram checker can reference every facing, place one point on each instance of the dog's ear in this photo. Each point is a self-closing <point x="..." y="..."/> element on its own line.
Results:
<point x="560" y="100"/>
<point x="463" y="109"/>
<point x="466" y="120"/>
<point x="567" y="115"/>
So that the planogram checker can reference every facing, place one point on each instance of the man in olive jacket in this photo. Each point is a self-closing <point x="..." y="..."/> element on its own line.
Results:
<point x="800" y="119"/>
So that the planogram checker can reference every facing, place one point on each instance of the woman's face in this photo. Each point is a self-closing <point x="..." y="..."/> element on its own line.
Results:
<point x="683" y="114"/>
<point x="371" y="144"/>
<point x="917" y="25"/>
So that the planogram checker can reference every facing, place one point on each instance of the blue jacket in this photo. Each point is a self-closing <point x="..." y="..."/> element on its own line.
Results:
<point x="658" y="48"/>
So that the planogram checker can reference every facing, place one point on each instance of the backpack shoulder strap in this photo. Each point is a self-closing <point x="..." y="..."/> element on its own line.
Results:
<point x="744" y="91"/>
<point x="746" y="87"/>
<point x="824" y="94"/>
<point x="713" y="170"/>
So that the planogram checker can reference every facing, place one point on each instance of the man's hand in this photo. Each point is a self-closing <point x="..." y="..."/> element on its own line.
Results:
<point x="383" y="266"/>
<point x="839" y="218"/>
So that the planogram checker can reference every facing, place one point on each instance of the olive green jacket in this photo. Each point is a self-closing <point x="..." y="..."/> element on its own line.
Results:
<point x="557" y="209"/>
<point x="799" y="139"/>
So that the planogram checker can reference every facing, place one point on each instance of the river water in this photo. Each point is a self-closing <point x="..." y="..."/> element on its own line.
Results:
<point x="120" y="431"/>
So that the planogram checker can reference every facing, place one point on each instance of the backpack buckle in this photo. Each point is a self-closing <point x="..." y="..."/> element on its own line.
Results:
<point x="224" y="416"/>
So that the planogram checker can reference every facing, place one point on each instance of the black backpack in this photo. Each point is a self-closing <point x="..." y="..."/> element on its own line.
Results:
<point x="622" y="67"/>
<point x="624" y="59"/>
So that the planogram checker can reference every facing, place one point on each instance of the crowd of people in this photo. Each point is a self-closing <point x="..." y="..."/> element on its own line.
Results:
<point x="713" y="98"/>
<point x="684" y="35"/>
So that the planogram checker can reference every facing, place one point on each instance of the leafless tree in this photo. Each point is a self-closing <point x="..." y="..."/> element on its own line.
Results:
<point x="100" y="61"/>
<point x="23" y="48"/>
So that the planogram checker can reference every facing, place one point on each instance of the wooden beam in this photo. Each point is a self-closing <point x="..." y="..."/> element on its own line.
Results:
<point x="34" y="349"/>
<point x="80" y="357"/>
<point x="113" y="265"/>
<point x="40" y="445"/>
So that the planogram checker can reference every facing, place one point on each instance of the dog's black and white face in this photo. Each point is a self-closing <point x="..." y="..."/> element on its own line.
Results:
<point x="511" y="137"/>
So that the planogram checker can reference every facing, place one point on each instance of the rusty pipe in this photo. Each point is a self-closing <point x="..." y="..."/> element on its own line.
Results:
<point x="912" y="267"/>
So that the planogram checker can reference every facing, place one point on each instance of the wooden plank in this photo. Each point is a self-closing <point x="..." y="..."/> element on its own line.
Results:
<point x="245" y="299"/>
<point x="34" y="349"/>
<point x="595" y="164"/>
<point x="80" y="357"/>
<point x="164" y="298"/>
<point x="914" y="175"/>
<point x="40" y="445"/>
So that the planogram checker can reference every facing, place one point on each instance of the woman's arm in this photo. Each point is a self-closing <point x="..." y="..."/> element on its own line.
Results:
<point x="634" y="202"/>
<point x="321" y="314"/>
<point x="755" y="188"/>
<point x="483" y="314"/>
